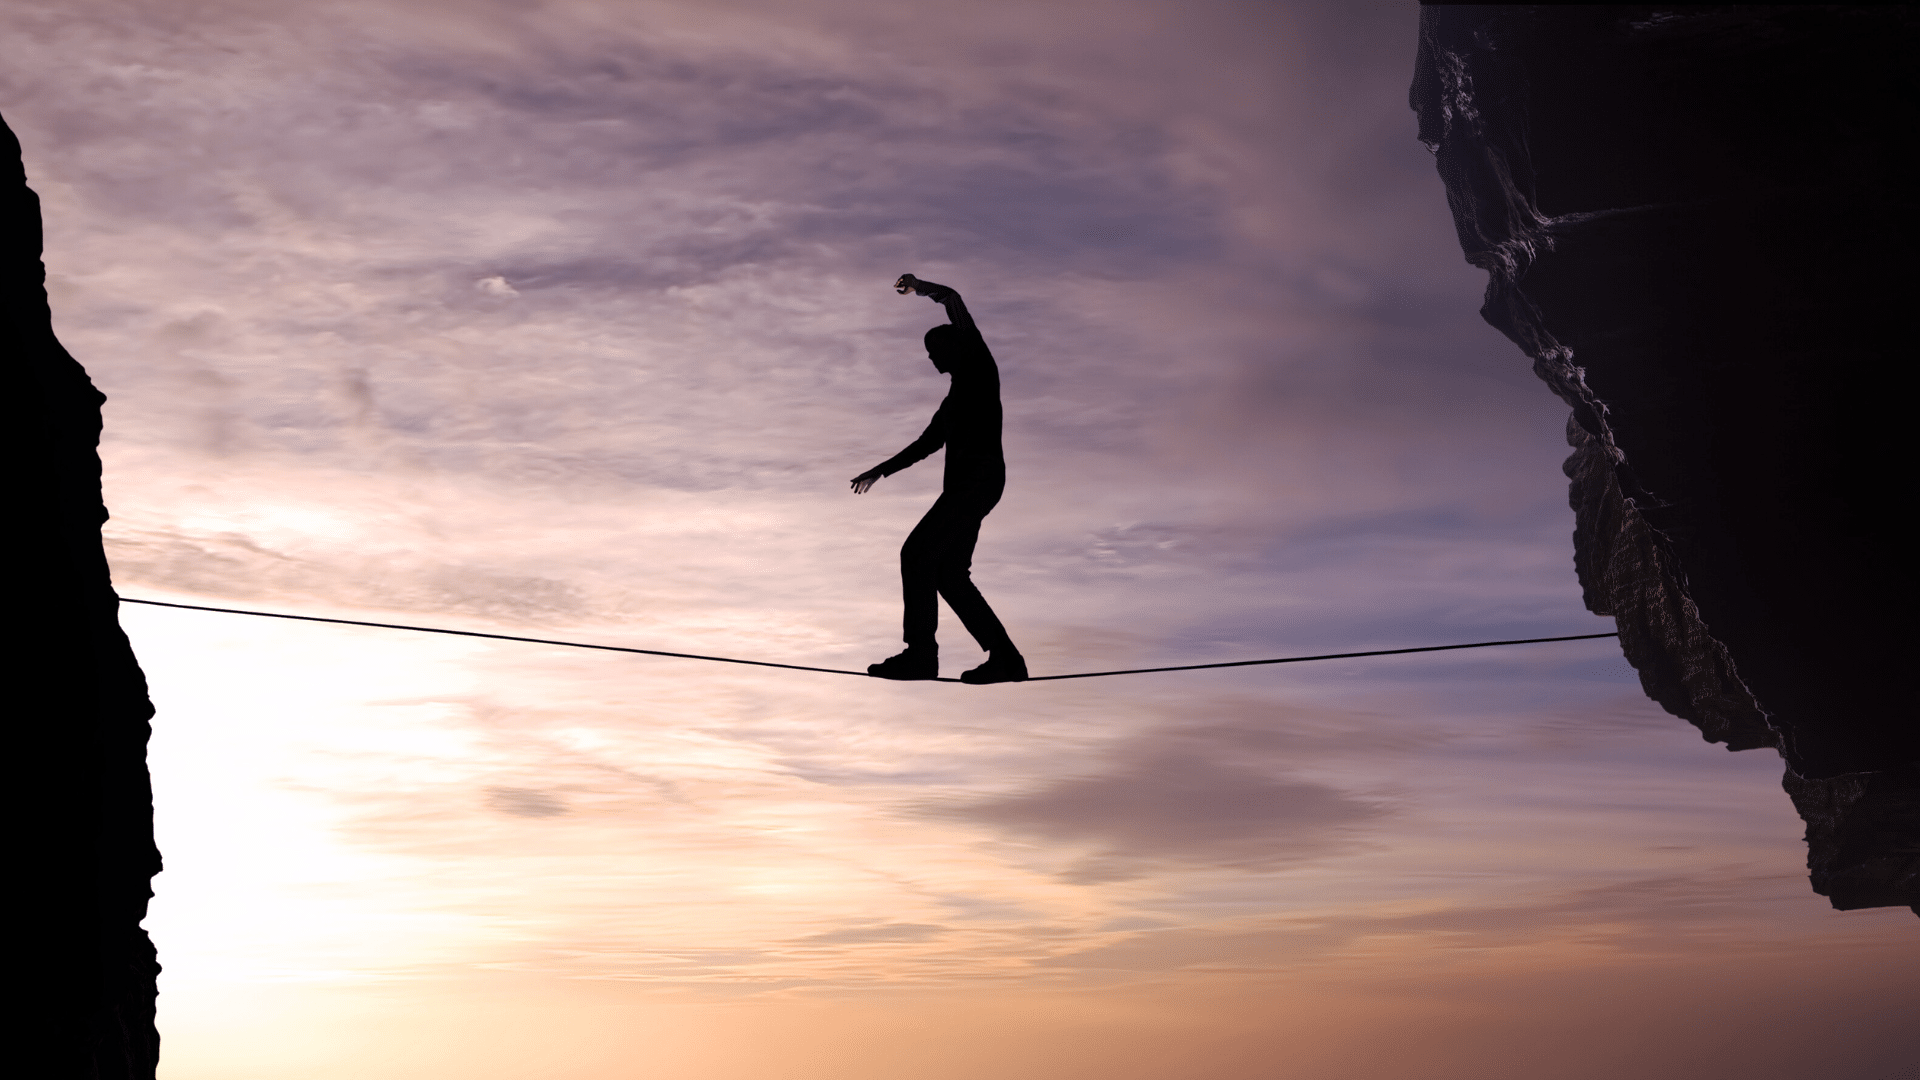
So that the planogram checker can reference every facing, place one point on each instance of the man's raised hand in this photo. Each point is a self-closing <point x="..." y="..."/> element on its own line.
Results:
<point x="939" y="294"/>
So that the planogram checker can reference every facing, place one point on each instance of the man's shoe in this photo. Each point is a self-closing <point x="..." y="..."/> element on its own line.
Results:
<point x="912" y="664"/>
<point x="1000" y="667"/>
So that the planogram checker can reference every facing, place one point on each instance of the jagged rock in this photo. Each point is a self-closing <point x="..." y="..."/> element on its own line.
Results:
<point x="1696" y="221"/>
<point x="82" y="968"/>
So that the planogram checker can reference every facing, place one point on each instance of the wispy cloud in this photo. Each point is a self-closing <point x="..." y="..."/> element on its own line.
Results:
<point x="1185" y="798"/>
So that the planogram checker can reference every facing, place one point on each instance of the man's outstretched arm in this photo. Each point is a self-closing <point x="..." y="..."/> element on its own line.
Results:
<point x="930" y="440"/>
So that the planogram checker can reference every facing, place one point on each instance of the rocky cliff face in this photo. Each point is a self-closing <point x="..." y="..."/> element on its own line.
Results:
<point x="1697" y="221"/>
<point x="83" y="849"/>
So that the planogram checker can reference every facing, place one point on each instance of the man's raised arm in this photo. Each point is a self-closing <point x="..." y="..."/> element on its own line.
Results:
<point x="944" y="295"/>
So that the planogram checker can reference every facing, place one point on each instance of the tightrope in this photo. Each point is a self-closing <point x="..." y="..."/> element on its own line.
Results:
<point x="842" y="671"/>
<point x="1322" y="656"/>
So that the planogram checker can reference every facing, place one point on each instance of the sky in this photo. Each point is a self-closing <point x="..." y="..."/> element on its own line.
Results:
<point x="571" y="320"/>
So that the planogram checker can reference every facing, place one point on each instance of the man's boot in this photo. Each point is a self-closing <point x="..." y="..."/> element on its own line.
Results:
<point x="1003" y="665"/>
<point x="911" y="664"/>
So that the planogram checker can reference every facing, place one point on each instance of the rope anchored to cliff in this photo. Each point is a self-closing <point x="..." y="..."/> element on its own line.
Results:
<point x="842" y="671"/>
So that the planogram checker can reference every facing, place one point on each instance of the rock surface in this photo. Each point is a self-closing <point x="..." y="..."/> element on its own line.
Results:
<point x="84" y="854"/>
<point x="1697" y="222"/>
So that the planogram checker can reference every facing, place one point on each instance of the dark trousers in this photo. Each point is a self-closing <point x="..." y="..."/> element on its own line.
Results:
<point x="938" y="559"/>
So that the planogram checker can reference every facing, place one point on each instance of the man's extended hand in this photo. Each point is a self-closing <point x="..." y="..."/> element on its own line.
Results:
<point x="865" y="480"/>
<point x="937" y="293"/>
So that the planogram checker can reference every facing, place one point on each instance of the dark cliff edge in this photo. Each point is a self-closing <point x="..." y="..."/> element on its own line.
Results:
<point x="1698" y="223"/>
<point x="84" y="855"/>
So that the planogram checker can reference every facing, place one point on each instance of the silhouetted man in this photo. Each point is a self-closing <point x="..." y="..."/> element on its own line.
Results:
<point x="938" y="555"/>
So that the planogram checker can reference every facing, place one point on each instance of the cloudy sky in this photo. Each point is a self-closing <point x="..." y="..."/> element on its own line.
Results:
<point x="572" y="320"/>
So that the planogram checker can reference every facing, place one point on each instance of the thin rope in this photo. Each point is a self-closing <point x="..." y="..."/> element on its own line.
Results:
<point x="1322" y="656"/>
<point x="840" y="671"/>
<point x="498" y="637"/>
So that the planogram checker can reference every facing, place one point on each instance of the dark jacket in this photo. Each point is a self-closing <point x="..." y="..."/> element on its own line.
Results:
<point x="967" y="422"/>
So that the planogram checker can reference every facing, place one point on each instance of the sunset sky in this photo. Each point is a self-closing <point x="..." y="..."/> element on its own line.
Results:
<point x="572" y="320"/>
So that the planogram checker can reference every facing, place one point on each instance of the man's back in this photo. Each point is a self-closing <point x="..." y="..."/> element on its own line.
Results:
<point x="971" y="415"/>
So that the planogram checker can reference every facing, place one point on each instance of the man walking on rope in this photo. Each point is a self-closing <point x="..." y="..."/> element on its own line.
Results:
<point x="938" y="555"/>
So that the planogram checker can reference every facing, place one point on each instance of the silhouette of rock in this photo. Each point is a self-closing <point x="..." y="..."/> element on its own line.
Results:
<point x="84" y="855"/>
<point x="1695" y="220"/>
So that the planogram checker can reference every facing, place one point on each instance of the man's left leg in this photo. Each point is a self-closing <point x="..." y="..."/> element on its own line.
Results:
<point x="1004" y="662"/>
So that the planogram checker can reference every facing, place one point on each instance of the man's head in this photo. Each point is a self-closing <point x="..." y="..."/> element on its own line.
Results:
<point x="943" y="346"/>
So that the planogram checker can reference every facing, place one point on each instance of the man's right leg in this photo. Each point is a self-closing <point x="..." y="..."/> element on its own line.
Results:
<point x="920" y="576"/>
<point x="920" y="598"/>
